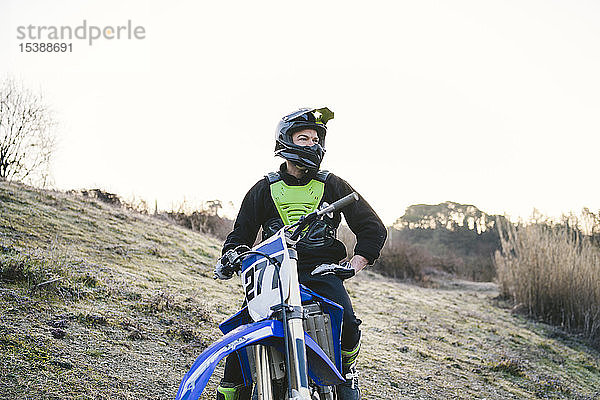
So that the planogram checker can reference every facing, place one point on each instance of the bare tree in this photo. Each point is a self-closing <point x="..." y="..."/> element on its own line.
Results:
<point x="27" y="139"/>
<point x="214" y="206"/>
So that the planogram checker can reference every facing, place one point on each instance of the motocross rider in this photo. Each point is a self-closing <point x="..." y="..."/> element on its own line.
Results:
<point x="298" y="188"/>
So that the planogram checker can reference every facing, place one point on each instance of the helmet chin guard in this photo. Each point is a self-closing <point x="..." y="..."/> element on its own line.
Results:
<point x="309" y="157"/>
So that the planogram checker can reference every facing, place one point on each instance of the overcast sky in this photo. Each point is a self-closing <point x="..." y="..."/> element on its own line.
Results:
<point x="492" y="103"/>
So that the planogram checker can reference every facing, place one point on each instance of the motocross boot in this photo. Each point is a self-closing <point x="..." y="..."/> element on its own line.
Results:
<point x="349" y="390"/>
<point x="232" y="391"/>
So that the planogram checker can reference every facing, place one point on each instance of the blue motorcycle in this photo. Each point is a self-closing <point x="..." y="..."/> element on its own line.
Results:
<point x="287" y="337"/>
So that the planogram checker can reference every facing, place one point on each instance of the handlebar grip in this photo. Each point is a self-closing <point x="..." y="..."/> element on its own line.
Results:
<point x="341" y="203"/>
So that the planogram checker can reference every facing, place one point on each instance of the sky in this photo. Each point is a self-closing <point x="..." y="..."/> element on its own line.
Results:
<point x="491" y="103"/>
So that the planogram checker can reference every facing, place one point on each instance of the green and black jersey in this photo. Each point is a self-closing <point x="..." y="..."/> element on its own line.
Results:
<point x="281" y="197"/>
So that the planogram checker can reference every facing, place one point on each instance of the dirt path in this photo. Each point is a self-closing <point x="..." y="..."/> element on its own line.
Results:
<point x="460" y="342"/>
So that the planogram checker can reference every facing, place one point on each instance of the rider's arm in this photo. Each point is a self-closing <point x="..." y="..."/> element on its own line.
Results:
<point x="363" y="221"/>
<point x="249" y="218"/>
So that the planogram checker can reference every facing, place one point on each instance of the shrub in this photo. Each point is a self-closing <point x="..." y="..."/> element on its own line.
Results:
<point x="30" y="268"/>
<point x="401" y="259"/>
<point x="510" y="366"/>
<point x="205" y="220"/>
<point x="554" y="271"/>
<point x="202" y="221"/>
<point x="404" y="261"/>
<point x="48" y="271"/>
<point x="103" y="196"/>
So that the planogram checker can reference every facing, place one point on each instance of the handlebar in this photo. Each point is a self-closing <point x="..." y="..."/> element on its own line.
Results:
<point x="341" y="203"/>
<point x="231" y="260"/>
<point x="309" y="218"/>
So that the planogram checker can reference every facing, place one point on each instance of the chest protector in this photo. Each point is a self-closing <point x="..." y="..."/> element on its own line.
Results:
<point x="292" y="202"/>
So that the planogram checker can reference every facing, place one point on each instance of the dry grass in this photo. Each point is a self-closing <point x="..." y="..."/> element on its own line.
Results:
<point x="461" y="343"/>
<point x="554" y="272"/>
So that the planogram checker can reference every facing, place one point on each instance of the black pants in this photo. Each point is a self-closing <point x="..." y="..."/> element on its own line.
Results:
<point x="329" y="286"/>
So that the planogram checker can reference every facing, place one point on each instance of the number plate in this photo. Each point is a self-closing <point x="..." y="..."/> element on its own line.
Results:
<point x="259" y="277"/>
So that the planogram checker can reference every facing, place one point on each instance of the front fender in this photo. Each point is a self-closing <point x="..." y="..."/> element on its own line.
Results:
<point x="320" y="367"/>
<point x="195" y="380"/>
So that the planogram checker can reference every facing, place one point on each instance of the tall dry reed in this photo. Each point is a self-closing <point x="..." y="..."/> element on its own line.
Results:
<point x="554" y="271"/>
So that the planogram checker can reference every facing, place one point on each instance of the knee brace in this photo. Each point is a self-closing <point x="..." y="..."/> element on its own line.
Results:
<point x="231" y="391"/>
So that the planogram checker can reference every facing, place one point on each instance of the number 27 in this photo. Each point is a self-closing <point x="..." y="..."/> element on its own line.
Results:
<point x="249" y="278"/>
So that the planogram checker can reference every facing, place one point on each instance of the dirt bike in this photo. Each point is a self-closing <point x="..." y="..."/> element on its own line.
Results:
<point x="287" y="337"/>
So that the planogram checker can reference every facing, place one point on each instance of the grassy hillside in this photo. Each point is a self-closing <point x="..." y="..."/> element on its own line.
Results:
<point x="98" y="302"/>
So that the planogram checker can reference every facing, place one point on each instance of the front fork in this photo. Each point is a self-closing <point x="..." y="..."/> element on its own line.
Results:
<point x="264" y="387"/>
<point x="298" y="371"/>
<point x="296" y="344"/>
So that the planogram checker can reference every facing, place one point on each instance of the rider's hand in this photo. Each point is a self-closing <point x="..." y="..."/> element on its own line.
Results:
<point x="342" y="271"/>
<point x="225" y="265"/>
<point x="223" y="269"/>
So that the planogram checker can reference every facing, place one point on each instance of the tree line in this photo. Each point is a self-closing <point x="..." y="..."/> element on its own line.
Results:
<point x="447" y="238"/>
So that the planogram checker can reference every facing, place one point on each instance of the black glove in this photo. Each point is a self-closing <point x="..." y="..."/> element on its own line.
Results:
<point x="342" y="271"/>
<point x="225" y="265"/>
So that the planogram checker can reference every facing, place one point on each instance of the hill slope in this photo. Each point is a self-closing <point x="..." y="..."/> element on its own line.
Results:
<point x="98" y="302"/>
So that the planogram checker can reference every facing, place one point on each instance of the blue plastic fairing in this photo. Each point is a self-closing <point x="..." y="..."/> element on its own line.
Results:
<point x="320" y="368"/>
<point x="195" y="380"/>
<point x="336" y="315"/>
<point x="272" y="247"/>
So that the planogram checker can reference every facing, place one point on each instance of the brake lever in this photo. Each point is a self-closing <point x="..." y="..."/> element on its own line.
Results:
<point x="303" y="223"/>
